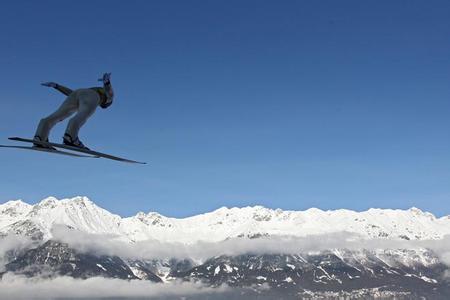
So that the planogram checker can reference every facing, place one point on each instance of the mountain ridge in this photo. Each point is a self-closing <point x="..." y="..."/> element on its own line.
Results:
<point x="223" y="223"/>
<point x="52" y="199"/>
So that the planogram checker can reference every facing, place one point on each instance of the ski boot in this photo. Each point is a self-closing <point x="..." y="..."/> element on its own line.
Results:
<point x="38" y="138"/>
<point x="67" y="140"/>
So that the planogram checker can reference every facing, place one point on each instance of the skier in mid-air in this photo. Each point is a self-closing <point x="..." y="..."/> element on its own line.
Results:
<point x="82" y="101"/>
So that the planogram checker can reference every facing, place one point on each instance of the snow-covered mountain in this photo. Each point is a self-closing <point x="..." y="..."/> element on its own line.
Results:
<point x="387" y="267"/>
<point x="13" y="211"/>
<point x="82" y="214"/>
<point x="38" y="220"/>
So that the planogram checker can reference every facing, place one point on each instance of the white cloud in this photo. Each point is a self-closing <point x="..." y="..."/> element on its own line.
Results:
<point x="149" y="249"/>
<point x="19" y="287"/>
<point x="14" y="243"/>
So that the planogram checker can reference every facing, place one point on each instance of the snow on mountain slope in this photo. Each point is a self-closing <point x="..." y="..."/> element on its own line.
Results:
<point x="256" y="221"/>
<point x="12" y="211"/>
<point x="82" y="214"/>
<point x="79" y="213"/>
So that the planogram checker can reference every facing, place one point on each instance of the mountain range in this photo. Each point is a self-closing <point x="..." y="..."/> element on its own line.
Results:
<point x="265" y="252"/>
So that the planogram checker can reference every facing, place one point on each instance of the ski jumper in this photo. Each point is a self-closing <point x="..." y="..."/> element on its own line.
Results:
<point x="83" y="102"/>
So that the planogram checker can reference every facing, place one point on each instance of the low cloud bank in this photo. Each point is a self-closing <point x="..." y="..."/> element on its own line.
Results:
<point x="19" y="287"/>
<point x="150" y="249"/>
<point x="12" y="244"/>
<point x="153" y="249"/>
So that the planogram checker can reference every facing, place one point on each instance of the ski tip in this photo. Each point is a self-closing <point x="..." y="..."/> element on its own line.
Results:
<point x="136" y="162"/>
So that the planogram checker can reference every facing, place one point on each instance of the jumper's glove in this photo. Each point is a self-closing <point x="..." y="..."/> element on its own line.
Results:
<point x="50" y="84"/>
<point x="106" y="78"/>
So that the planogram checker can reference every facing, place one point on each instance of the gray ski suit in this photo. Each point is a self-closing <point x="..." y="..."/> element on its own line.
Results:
<point x="82" y="101"/>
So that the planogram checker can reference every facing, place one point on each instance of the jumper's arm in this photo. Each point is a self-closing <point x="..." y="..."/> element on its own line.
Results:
<point x="65" y="90"/>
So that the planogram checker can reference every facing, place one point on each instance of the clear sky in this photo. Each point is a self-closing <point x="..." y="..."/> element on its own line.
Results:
<point x="289" y="104"/>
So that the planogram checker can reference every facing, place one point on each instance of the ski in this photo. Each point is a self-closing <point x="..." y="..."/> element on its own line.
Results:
<point x="76" y="149"/>
<point x="48" y="151"/>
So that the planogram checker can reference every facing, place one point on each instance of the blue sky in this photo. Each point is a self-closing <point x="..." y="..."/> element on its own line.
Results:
<point x="292" y="104"/>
